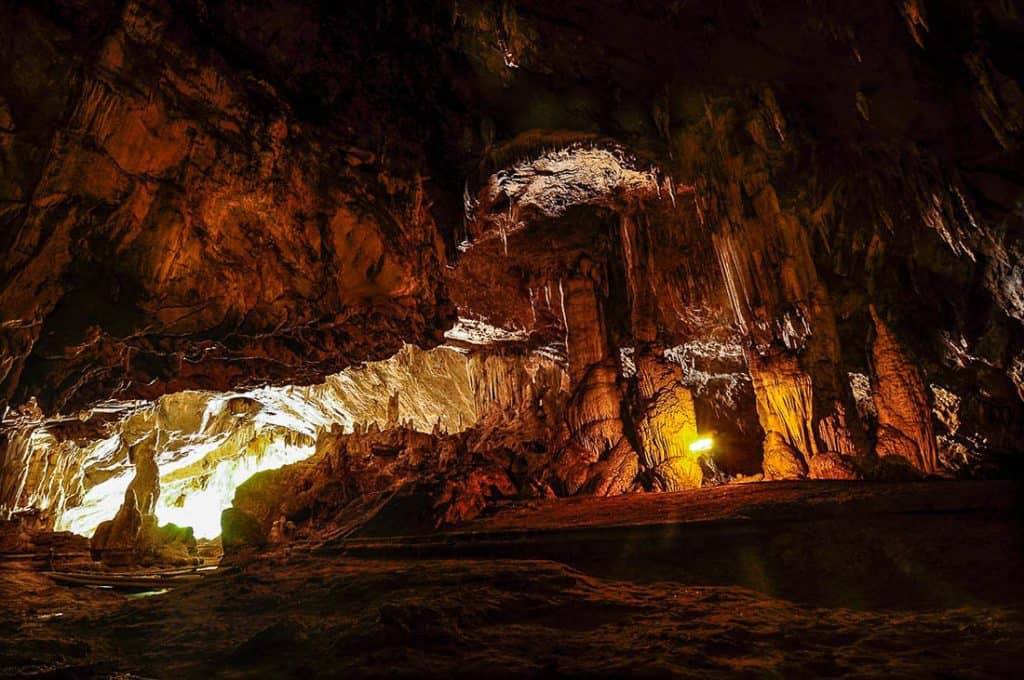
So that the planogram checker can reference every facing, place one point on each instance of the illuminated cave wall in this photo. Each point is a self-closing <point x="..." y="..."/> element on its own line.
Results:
<point x="175" y="221"/>
<point x="211" y="442"/>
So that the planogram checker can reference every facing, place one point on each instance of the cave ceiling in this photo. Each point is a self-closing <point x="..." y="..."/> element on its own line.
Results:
<point x="220" y="196"/>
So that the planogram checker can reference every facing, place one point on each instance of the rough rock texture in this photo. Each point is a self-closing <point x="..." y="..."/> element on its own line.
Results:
<point x="584" y="587"/>
<point x="240" y="531"/>
<point x="215" y="195"/>
<point x="76" y="469"/>
<point x="832" y="465"/>
<point x="321" y="617"/>
<point x="793" y="236"/>
<point x="401" y="479"/>
<point x="784" y="408"/>
<point x="781" y="461"/>
<point x="586" y="341"/>
<point x="28" y="533"/>
<point x="395" y="480"/>
<point x="598" y="457"/>
<point x="171" y="221"/>
<point x="133" y="535"/>
<point x="904" y="414"/>
<point x="666" y="425"/>
<point x="45" y="468"/>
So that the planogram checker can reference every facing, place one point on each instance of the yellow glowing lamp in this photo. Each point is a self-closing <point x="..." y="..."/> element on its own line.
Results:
<point x="702" y="444"/>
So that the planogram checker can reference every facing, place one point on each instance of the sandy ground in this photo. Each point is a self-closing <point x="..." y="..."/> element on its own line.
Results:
<point x="307" y="615"/>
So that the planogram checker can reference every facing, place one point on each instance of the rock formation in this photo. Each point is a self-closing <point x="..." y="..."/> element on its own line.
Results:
<point x="598" y="457"/>
<point x="666" y="425"/>
<point x="173" y="215"/>
<point x="133" y="535"/>
<point x="395" y="479"/>
<point x="77" y="469"/>
<point x="793" y="229"/>
<point x="904" y="414"/>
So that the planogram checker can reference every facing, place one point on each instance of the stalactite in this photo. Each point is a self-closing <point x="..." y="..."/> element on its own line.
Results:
<point x="793" y="343"/>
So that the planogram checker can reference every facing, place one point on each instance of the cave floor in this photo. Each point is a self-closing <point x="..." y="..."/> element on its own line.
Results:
<point x="540" y="589"/>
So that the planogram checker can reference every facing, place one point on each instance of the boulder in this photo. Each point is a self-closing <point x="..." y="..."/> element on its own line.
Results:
<point x="240" y="531"/>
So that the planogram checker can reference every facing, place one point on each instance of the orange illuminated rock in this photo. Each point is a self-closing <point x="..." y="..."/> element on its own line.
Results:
<point x="598" y="458"/>
<point x="904" y="412"/>
<point x="225" y="196"/>
<point x="585" y="329"/>
<point x="133" y="528"/>
<point x="398" y="477"/>
<point x="666" y="425"/>
<point x="781" y="461"/>
<point x="594" y="414"/>
<point x="831" y="465"/>
<point x="187" y="230"/>
<point x="784" y="405"/>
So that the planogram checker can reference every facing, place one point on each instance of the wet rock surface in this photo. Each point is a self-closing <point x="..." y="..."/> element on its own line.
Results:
<point x="321" y="615"/>
<point x="184" y="208"/>
<point x="787" y="234"/>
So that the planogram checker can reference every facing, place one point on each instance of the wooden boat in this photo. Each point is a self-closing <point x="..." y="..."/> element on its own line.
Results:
<point x="130" y="581"/>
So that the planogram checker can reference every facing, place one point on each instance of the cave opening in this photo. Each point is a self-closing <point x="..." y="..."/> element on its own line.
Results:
<point x="206" y="444"/>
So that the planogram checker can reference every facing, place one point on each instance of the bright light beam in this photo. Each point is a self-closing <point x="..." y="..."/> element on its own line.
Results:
<point x="702" y="444"/>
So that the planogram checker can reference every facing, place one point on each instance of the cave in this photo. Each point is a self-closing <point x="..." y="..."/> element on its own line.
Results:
<point x="511" y="338"/>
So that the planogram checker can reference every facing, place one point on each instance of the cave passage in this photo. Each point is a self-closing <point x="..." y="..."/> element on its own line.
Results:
<point x="511" y="338"/>
<point x="207" y="444"/>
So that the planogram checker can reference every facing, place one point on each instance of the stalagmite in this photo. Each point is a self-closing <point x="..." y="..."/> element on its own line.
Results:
<point x="784" y="407"/>
<point x="904" y="414"/>
<point x="511" y="338"/>
<point x="585" y="328"/>
<point x="793" y="343"/>
<point x="666" y="424"/>
<point x="133" y="535"/>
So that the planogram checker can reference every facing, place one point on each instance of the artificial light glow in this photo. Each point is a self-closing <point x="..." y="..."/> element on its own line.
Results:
<point x="192" y="501"/>
<point x="100" y="503"/>
<point x="212" y="442"/>
<point x="702" y="444"/>
<point x="199" y="506"/>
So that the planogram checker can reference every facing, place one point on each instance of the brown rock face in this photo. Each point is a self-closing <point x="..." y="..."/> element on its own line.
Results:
<point x="179" y="226"/>
<point x="782" y="461"/>
<point x="666" y="425"/>
<point x="784" y="403"/>
<point x="594" y="414"/>
<point x="397" y="479"/>
<point x="75" y="469"/>
<point x="586" y="339"/>
<point x="904" y="414"/>
<point x="133" y="528"/>
<point x="42" y="469"/>
<point x="220" y="195"/>
<point x="779" y="300"/>
<point x="598" y="457"/>
<point x="831" y="465"/>
<point x="240" y="531"/>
